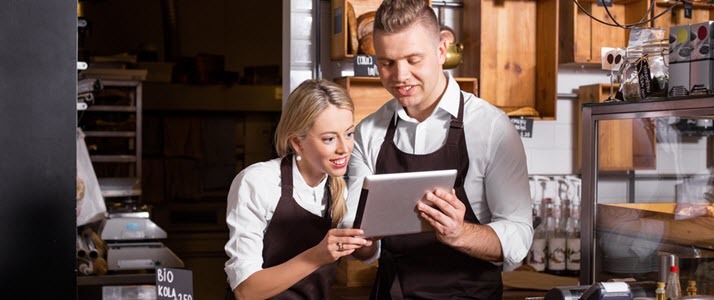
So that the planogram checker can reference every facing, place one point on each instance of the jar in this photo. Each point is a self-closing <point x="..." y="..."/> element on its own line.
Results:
<point x="645" y="73"/>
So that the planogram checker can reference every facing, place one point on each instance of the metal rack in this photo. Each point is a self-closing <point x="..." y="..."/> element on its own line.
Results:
<point x="130" y="185"/>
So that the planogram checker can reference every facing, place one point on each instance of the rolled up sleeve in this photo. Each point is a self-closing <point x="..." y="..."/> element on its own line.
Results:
<point x="508" y="193"/>
<point x="246" y="219"/>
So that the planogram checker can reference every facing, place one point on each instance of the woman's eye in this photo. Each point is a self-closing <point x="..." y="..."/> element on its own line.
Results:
<point x="350" y="134"/>
<point x="329" y="139"/>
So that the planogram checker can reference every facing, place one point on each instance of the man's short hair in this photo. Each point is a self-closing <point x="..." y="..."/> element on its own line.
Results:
<point x="396" y="15"/>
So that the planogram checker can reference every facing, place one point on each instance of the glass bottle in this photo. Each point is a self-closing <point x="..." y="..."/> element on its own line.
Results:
<point x="556" y="241"/>
<point x="537" y="257"/>
<point x="674" y="288"/>
<point x="660" y="292"/>
<point x="691" y="288"/>
<point x="572" y="242"/>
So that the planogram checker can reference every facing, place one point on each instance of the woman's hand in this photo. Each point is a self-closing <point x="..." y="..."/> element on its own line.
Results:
<point x="338" y="243"/>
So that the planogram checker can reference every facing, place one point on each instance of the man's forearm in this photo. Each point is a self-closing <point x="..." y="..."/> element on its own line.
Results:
<point x="480" y="241"/>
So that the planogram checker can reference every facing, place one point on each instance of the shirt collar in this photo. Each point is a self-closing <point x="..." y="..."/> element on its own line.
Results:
<point x="449" y="101"/>
<point x="301" y="186"/>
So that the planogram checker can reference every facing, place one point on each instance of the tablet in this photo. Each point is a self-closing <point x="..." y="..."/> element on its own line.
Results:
<point x="387" y="204"/>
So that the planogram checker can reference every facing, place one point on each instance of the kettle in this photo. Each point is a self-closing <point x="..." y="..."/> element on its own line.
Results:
<point x="454" y="55"/>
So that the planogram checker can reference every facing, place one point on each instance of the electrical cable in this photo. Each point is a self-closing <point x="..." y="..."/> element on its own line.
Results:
<point x="627" y="26"/>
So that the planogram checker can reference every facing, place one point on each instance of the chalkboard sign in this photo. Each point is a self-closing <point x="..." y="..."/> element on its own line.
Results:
<point x="524" y="126"/>
<point x="174" y="284"/>
<point x="366" y="65"/>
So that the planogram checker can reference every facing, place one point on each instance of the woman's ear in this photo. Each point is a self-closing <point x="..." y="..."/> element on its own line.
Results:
<point x="295" y="143"/>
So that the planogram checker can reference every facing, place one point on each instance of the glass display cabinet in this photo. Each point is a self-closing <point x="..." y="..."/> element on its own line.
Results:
<point x="648" y="191"/>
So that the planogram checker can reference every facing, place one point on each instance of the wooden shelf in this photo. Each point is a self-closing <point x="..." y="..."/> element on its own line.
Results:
<point x="512" y="48"/>
<point x="369" y="95"/>
<point x="179" y="97"/>
<point x="656" y="221"/>
<point x="582" y="38"/>
<point x="339" y="27"/>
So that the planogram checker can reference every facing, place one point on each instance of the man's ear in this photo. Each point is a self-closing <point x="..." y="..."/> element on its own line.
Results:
<point x="443" y="43"/>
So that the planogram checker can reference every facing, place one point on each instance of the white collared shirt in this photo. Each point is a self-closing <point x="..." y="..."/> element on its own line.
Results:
<point x="497" y="179"/>
<point x="252" y="201"/>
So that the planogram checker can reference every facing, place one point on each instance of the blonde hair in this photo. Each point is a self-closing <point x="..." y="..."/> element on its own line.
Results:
<point x="304" y="104"/>
<point x="396" y="15"/>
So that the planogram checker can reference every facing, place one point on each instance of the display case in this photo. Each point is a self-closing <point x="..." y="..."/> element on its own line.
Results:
<point x="638" y="223"/>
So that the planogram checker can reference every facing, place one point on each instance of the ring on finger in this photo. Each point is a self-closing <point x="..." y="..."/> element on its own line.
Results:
<point x="339" y="246"/>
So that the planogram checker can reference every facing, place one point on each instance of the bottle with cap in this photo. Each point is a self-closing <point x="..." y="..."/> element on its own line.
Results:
<point x="660" y="291"/>
<point x="691" y="288"/>
<point x="674" y="288"/>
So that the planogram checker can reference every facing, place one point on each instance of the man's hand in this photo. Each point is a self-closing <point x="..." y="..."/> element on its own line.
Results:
<point x="445" y="212"/>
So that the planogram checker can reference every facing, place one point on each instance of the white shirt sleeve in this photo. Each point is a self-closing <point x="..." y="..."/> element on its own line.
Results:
<point x="507" y="191"/>
<point x="359" y="167"/>
<point x="246" y="217"/>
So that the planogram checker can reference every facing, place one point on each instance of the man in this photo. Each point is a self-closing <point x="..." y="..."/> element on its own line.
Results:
<point x="430" y="125"/>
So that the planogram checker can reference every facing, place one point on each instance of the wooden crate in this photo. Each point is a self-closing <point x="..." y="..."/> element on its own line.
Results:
<point x="622" y="144"/>
<point x="339" y="28"/>
<point x="582" y="38"/>
<point x="369" y="95"/>
<point x="512" y="48"/>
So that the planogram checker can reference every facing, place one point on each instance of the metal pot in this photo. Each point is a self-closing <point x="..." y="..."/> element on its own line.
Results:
<point x="454" y="55"/>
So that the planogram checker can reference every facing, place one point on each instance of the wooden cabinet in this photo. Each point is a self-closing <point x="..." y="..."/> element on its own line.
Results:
<point x="512" y="48"/>
<point x="623" y="144"/>
<point x="369" y="95"/>
<point x="701" y="12"/>
<point x="581" y="38"/>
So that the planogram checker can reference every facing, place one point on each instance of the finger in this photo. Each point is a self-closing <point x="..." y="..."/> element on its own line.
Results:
<point x="346" y="247"/>
<point x="346" y="232"/>
<point x="440" y="229"/>
<point x="441" y="203"/>
<point x="434" y="214"/>
<point x="351" y="240"/>
<point x="450" y="198"/>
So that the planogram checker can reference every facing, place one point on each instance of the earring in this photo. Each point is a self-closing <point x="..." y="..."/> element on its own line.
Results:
<point x="298" y="158"/>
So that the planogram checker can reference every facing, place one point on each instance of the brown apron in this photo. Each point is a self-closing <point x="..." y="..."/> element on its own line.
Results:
<point x="418" y="266"/>
<point x="291" y="231"/>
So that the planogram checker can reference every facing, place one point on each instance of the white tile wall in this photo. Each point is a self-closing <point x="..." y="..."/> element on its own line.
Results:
<point x="552" y="148"/>
<point x="612" y="191"/>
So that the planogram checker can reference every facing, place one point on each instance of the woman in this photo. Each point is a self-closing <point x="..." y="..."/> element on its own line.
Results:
<point x="283" y="213"/>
